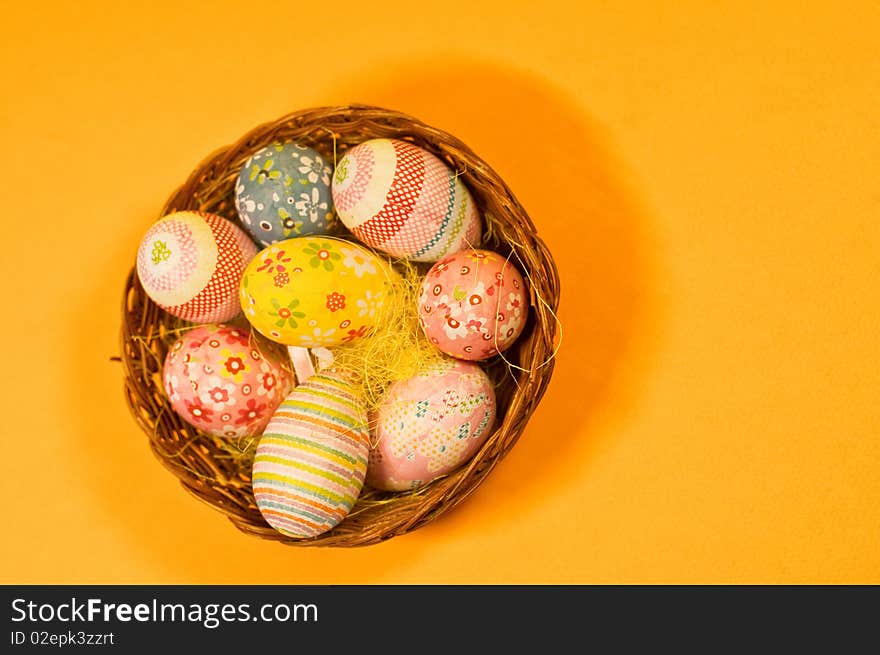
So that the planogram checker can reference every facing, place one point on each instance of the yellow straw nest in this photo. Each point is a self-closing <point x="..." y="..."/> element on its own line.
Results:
<point x="397" y="349"/>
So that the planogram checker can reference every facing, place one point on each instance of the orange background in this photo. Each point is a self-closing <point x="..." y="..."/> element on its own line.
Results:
<point x="705" y="175"/>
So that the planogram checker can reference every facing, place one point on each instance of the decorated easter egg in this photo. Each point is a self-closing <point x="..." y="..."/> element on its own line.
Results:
<point x="311" y="461"/>
<point x="219" y="382"/>
<point x="190" y="264"/>
<point x="315" y="291"/>
<point x="403" y="200"/>
<point x="473" y="304"/>
<point x="430" y="424"/>
<point x="283" y="191"/>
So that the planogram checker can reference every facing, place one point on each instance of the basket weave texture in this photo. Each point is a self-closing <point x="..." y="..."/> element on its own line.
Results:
<point x="205" y="468"/>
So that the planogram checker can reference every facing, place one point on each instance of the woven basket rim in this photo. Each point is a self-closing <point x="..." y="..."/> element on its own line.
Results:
<point x="192" y="456"/>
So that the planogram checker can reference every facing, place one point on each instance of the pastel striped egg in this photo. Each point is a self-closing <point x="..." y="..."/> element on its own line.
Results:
<point x="311" y="461"/>
<point x="403" y="200"/>
<point x="190" y="264"/>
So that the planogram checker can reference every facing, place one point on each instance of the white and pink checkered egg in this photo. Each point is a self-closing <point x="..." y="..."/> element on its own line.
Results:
<point x="190" y="264"/>
<point x="401" y="199"/>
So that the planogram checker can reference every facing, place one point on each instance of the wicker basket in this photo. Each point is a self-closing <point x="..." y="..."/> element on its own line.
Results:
<point x="199" y="461"/>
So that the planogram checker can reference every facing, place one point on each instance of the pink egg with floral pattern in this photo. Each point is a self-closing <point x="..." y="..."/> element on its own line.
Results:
<point x="473" y="304"/>
<point x="430" y="424"/>
<point x="218" y="381"/>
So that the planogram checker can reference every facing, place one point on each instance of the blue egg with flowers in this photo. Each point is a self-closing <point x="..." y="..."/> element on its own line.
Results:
<point x="283" y="191"/>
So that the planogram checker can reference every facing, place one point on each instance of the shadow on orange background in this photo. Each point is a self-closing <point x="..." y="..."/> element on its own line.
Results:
<point x="557" y="161"/>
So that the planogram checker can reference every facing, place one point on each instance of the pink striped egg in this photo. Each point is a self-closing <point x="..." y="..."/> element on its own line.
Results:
<point x="190" y="264"/>
<point x="403" y="200"/>
<point x="311" y="460"/>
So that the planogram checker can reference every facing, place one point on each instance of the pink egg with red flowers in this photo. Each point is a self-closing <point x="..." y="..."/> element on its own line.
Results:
<point x="430" y="424"/>
<point x="219" y="382"/>
<point x="473" y="304"/>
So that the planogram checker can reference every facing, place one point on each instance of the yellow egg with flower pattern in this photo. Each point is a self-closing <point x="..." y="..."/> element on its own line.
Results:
<point x="315" y="291"/>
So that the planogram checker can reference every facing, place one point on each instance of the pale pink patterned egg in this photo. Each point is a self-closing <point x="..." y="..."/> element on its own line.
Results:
<point x="430" y="424"/>
<point x="401" y="199"/>
<point x="190" y="264"/>
<point x="473" y="304"/>
<point x="217" y="381"/>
